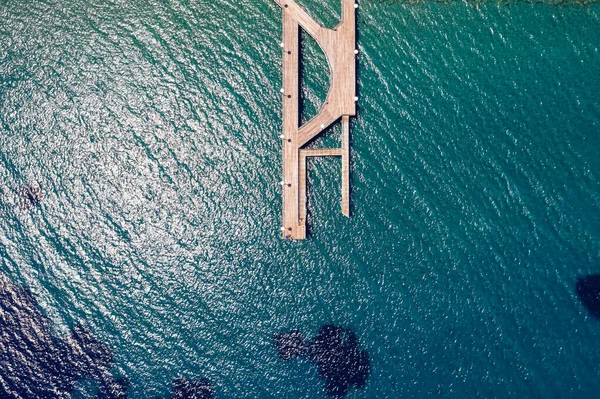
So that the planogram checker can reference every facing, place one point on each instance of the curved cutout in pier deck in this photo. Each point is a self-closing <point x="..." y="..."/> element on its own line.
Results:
<point x="327" y="13"/>
<point x="314" y="78"/>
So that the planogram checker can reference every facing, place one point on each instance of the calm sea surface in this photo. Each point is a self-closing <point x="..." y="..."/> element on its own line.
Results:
<point x="152" y="129"/>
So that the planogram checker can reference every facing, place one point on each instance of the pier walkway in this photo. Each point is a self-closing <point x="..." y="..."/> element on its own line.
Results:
<point x="339" y="46"/>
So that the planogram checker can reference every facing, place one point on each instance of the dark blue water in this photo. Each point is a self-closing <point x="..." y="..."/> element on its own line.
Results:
<point x="139" y="198"/>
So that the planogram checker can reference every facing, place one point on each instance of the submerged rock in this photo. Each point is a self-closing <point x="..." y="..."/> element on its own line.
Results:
<point x="335" y="352"/>
<point x="192" y="389"/>
<point x="339" y="360"/>
<point x="31" y="196"/>
<point x="289" y="344"/>
<point x="89" y="353"/>
<point x="588" y="290"/>
<point x="113" y="389"/>
<point x="35" y="364"/>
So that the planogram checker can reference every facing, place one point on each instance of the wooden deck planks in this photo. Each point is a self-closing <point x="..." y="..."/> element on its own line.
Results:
<point x="345" y="150"/>
<point x="339" y="47"/>
<point x="291" y="89"/>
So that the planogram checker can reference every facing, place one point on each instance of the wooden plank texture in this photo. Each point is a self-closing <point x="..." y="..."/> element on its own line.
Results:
<point x="339" y="45"/>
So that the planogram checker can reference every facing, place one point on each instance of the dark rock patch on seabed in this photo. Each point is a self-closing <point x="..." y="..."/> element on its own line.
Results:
<point x="192" y="389"/>
<point x="35" y="364"/>
<point x="289" y="344"/>
<point x="336" y="353"/>
<point x="31" y="196"/>
<point x="113" y="389"/>
<point x="588" y="290"/>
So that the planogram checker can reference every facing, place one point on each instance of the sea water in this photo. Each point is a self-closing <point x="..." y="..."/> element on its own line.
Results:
<point x="151" y="129"/>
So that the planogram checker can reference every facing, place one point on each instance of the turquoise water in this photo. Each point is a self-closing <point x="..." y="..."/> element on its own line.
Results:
<point x="152" y="128"/>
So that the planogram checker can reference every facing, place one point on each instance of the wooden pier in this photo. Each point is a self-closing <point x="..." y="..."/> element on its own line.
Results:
<point x="339" y="46"/>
